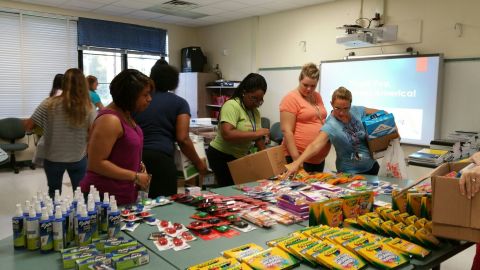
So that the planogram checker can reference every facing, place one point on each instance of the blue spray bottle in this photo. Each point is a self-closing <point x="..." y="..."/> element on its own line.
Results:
<point x="18" y="224"/>
<point x="59" y="230"/>
<point x="92" y="214"/>
<point x="84" y="228"/>
<point x="46" y="232"/>
<point x="33" y="230"/>
<point x="113" y="220"/>
<point x="98" y="208"/>
<point x="104" y="213"/>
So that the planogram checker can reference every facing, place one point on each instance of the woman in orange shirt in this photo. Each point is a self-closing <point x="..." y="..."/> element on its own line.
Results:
<point x="302" y="114"/>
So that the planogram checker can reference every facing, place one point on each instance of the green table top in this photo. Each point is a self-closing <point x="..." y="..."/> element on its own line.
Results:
<point x="11" y="258"/>
<point x="202" y="250"/>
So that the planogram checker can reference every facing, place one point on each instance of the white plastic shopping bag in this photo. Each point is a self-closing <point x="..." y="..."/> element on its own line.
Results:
<point x="393" y="163"/>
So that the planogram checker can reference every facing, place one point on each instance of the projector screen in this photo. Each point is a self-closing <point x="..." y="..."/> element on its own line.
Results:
<point x="407" y="86"/>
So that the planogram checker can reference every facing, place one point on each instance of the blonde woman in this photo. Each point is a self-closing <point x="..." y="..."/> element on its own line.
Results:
<point x="65" y="120"/>
<point x="302" y="115"/>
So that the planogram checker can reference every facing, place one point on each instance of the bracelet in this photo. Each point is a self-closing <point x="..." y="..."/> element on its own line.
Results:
<point x="136" y="180"/>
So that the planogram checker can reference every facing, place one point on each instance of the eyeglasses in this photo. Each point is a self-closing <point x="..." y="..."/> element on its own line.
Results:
<point x="346" y="109"/>
<point x="257" y="101"/>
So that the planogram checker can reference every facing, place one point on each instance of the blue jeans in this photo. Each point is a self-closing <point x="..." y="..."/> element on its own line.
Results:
<point x="55" y="170"/>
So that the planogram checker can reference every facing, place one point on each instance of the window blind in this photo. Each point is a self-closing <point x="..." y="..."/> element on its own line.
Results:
<point x="32" y="50"/>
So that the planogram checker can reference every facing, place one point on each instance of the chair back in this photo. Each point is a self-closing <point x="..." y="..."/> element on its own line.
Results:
<point x="11" y="129"/>
<point x="276" y="134"/>
<point x="265" y="122"/>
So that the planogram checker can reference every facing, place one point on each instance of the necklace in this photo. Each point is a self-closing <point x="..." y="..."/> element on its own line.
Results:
<point x="312" y="100"/>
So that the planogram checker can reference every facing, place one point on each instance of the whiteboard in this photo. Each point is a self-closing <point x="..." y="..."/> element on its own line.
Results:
<point x="460" y="94"/>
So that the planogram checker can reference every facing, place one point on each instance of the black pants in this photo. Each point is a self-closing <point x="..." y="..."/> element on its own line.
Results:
<point x="164" y="173"/>
<point x="218" y="163"/>
<point x="309" y="167"/>
<point x="373" y="170"/>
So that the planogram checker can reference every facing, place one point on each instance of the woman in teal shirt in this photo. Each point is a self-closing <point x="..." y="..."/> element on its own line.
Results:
<point x="94" y="97"/>
<point x="239" y="127"/>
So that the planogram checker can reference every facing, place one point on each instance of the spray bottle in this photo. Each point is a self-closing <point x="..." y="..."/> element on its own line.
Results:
<point x="113" y="220"/>
<point x="33" y="230"/>
<point x="46" y="232"/>
<point x="92" y="214"/>
<point x="104" y="213"/>
<point x="59" y="230"/>
<point x="84" y="228"/>
<point x="76" y="217"/>
<point x="18" y="224"/>
<point x="38" y="209"/>
<point x="98" y="208"/>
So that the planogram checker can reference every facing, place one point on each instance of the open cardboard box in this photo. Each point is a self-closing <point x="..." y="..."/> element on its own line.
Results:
<point x="378" y="146"/>
<point x="454" y="215"/>
<point x="260" y="165"/>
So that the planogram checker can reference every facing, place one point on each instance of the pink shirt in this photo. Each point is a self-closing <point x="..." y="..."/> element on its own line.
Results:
<point x="126" y="153"/>
<point x="308" y="122"/>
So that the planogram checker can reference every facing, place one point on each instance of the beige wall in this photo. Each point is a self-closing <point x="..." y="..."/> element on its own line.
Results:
<point x="232" y="45"/>
<point x="427" y="26"/>
<point x="178" y="37"/>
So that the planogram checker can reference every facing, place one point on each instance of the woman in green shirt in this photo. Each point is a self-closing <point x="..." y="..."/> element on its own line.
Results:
<point x="239" y="128"/>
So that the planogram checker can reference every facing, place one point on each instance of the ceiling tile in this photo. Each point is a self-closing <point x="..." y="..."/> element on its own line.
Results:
<point x="132" y="4"/>
<point x="204" y="2"/>
<point x="257" y="10"/>
<point x="82" y="5"/>
<point x="144" y="15"/>
<point x="208" y="10"/>
<point x="280" y="5"/>
<point x="229" y="6"/>
<point x="255" y="2"/>
<point x="114" y="10"/>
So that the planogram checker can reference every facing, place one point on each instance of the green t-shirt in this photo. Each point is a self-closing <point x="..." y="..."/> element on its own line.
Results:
<point x="234" y="113"/>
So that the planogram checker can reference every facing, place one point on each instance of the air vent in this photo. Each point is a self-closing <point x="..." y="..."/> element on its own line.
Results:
<point x="177" y="8"/>
<point x="180" y="4"/>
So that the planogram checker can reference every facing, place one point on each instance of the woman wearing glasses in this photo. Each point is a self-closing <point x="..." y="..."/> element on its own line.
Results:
<point x="345" y="131"/>
<point x="239" y="127"/>
<point x="302" y="115"/>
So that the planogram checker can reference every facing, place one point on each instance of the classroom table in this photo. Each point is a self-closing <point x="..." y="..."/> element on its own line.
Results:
<point x="202" y="250"/>
<point x="22" y="259"/>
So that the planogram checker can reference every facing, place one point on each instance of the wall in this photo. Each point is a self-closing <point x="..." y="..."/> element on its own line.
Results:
<point x="232" y="46"/>
<point x="178" y="36"/>
<point x="427" y="26"/>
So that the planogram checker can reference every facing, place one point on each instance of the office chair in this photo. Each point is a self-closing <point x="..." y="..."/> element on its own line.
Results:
<point x="11" y="129"/>
<point x="276" y="134"/>
<point x="265" y="123"/>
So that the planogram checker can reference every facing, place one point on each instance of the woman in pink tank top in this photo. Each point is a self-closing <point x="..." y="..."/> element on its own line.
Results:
<point x="116" y="142"/>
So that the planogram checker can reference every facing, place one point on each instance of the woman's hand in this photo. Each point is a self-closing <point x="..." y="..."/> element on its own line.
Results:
<point x="475" y="158"/>
<point x="143" y="181"/>
<point x="202" y="167"/>
<point x="470" y="182"/>
<point x="292" y="169"/>
<point x="262" y="132"/>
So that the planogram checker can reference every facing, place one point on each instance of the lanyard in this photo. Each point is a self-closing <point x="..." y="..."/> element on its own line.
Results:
<point x="251" y="119"/>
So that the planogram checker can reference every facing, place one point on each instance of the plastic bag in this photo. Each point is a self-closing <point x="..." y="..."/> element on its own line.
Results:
<point x="393" y="163"/>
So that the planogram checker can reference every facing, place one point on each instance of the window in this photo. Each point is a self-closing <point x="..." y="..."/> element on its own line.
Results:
<point x="105" y="66"/>
<point x="143" y="63"/>
<point x="33" y="49"/>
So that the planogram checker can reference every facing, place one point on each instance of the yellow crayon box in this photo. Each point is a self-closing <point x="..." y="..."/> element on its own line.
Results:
<point x="382" y="256"/>
<point x="407" y="248"/>
<point x="272" y="259"/>
<point x="242" y="251"/>
<point x="340" y="258"/>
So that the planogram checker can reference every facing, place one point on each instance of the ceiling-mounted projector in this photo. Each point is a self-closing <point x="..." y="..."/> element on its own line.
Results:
<point x="357" y="36"/>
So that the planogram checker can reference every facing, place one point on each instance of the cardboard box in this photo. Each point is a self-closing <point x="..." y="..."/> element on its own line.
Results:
<point x="379" y="124"/>
<point x="378" y="146"/>
<point x="454" y="216"/>
<point x="260" y="165"/>
<point x="186" y="169"/>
